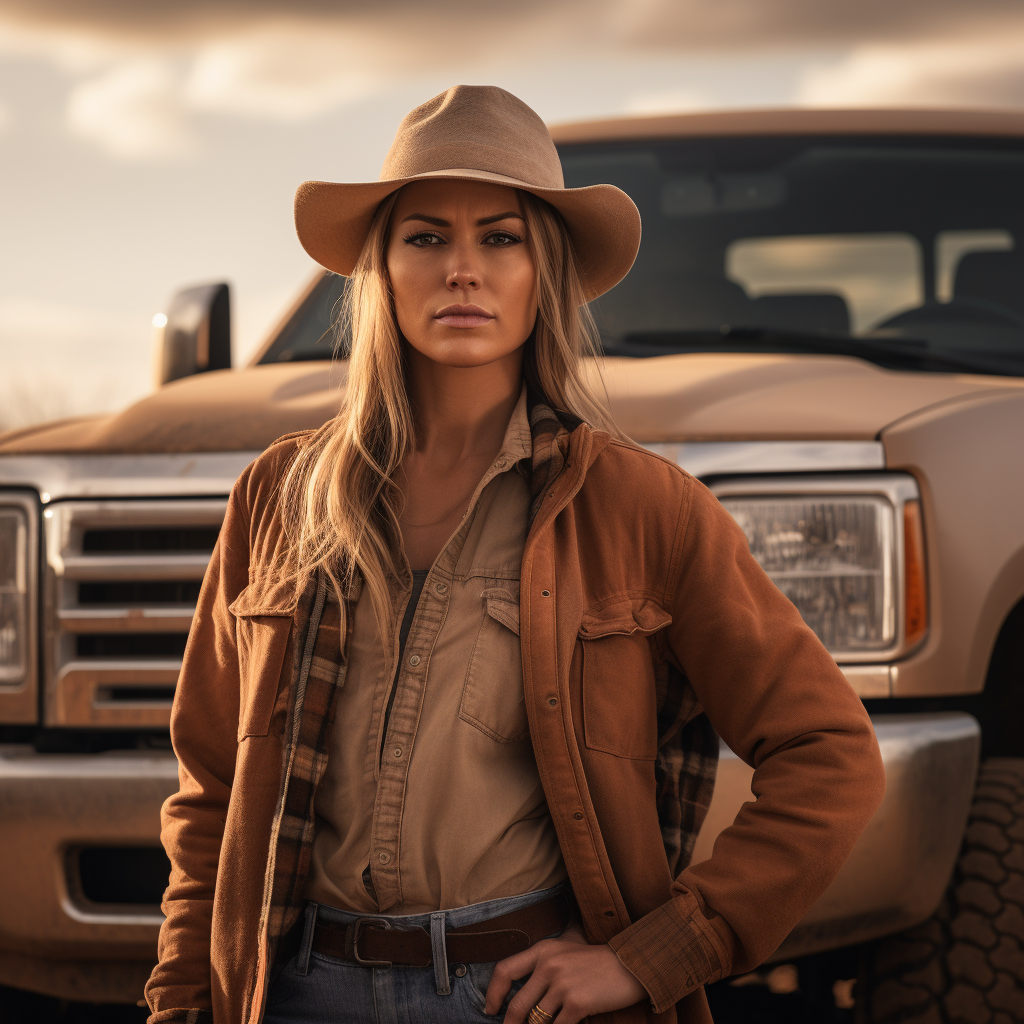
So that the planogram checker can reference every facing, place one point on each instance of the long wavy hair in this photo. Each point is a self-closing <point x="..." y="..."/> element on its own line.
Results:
<point x="339" y="497"/>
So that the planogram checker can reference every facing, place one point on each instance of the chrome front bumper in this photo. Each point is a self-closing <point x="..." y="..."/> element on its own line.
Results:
<point x="51" y="938"/>
<point x="901" y="865"/>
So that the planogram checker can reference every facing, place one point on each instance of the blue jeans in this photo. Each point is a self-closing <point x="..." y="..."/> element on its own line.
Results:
<point x="335" y="991"/>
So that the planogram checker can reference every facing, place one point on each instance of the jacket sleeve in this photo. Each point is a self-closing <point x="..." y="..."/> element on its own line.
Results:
<point x="204" y="727"/>
<point x="775" y="695"/>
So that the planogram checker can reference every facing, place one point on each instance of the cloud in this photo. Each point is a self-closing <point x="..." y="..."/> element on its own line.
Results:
<point x="285" y="72"/>
<point x="683" y="24"/>
<point x="978" y="72"/>
<point x="133" y="111"/>
<point x="148" y="72"/>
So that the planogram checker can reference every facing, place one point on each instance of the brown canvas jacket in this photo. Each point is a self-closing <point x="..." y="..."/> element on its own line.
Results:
<point x="641" y="610"/>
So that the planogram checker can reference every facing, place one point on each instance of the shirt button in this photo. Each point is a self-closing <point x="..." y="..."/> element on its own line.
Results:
<point x="440" y="587"/>
<point x="384" y="857"/>
<point x="398" y="751"/>
<point x="414" y="660"/>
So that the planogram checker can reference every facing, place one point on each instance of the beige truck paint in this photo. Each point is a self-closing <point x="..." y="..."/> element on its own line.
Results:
<point x="692" y="397"/>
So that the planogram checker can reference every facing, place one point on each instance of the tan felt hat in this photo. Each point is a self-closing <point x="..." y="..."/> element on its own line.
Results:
<point x="476" y="133"/>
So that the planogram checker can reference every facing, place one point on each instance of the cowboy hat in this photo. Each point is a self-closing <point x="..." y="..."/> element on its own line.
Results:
<point x="474" y="133"/>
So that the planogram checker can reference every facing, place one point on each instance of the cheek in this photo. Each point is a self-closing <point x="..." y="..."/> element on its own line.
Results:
<point x="408" y="281"/>
<point x="522" y="289"/>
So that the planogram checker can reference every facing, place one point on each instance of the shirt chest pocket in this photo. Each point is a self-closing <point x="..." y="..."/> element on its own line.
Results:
<point x="620" y="712"/>
<point x="263" y="626"/>
<point x="492" y="696"/>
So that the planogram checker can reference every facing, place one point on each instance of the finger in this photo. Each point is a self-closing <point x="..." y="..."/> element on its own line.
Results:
<point x="568" y="1014"/>
<point x="505" y="972"/>
<point x="535" y="991"/>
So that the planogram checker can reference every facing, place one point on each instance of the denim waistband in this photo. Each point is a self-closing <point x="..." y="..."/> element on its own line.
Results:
<point x="436" y="924"/>
<point x="456" y="918"/>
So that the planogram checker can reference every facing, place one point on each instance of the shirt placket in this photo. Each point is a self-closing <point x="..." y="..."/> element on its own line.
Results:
<point x="411" y="682"/>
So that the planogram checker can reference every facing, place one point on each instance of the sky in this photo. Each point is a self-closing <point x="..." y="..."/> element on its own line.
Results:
<point x="145" y="146"/>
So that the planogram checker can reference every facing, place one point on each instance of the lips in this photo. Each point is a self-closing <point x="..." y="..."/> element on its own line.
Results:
<point x="459" y="315"/>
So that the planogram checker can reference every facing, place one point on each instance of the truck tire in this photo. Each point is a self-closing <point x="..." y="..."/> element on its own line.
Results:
<point x="965" y="964"/>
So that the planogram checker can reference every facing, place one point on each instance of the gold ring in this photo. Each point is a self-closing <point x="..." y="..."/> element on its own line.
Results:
<point x="538" y="1016"/>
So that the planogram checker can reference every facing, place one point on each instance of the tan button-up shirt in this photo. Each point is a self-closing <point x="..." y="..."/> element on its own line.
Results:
<point x="447" y="809"/>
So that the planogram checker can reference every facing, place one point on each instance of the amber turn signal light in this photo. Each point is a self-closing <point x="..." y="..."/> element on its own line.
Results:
<point x="915" y="594"/>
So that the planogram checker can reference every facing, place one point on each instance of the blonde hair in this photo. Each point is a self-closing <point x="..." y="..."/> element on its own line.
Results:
<point x="339" y="497"/>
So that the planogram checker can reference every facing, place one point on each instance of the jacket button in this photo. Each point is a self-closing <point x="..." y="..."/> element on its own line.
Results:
<point x="578" y="816"/>
<point x="607" y="913"/>
<point x="545" y="593"/>
<point x="552" y="701"/>
<point x="441" y="587"/>
<point x="414" y="660"/>
<point x="460" y="970"/>
<point x="384" y="857"/>
<point x="398" y="751"/>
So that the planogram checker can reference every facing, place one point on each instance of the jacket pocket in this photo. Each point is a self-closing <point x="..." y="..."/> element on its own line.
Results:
<point x="620" y="711"/>
<point x="263" y="625"/>
<point x="492" y="696"/>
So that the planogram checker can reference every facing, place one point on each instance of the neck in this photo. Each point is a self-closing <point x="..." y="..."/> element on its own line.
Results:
<point x="462" y="411"/>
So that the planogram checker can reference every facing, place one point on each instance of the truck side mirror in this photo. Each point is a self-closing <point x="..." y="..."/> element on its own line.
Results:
<point x="195" y="335"/>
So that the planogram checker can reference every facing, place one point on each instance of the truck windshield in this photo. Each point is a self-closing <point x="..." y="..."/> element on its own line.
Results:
<point x="905" y="252"/>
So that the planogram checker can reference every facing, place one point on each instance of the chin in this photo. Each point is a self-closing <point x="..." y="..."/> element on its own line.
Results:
<point x="465" y="352"/>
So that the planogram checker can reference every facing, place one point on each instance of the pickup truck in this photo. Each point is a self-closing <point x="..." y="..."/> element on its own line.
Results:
<point x="825" y="324"/>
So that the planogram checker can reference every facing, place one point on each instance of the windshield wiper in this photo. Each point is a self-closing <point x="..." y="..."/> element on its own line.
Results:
<point x="894" y="353"/>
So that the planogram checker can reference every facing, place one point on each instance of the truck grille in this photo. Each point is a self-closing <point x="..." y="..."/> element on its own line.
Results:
<point x="123" y="578"/>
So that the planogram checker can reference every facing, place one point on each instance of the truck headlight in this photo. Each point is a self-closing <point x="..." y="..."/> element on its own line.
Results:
<point x="14" y="596"/>
<point x="849" y="562"/>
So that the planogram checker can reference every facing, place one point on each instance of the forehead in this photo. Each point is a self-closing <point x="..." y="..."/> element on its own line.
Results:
<point x="448" y="199"/>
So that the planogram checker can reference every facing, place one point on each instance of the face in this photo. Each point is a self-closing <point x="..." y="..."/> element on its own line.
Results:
<point x="462" y="275"/>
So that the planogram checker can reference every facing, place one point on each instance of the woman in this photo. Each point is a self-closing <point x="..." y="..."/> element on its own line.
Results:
<point x="443" y="720"/>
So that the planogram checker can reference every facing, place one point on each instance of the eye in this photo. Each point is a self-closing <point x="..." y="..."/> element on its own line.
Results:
<point x="424" y="238"/>
<point x="501" y="239"/>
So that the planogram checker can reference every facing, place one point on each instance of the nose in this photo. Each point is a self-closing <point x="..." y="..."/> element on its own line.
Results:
<point x="462" y="271"/>
<point x="462" y="277"/>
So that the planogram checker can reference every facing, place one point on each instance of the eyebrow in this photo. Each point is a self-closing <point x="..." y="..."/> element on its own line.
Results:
<point x="438" y="222"/>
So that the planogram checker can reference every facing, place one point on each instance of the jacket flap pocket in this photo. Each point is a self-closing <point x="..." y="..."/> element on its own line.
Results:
<point x="623" y="618"/>
<point x="503" y="606"/>
<point x="265" y="599"/>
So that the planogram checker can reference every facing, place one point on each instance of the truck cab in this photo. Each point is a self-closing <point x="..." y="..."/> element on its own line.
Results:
<point x="825" y="324"/>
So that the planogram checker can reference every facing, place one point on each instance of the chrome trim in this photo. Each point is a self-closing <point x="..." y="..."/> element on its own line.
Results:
<point x="897" y="488"/>
<point x="199" y="473"/>
<point x="126" y="476"/>
<point x="19" y="701"/>
<point x="111" y="692"/>
<point x="89" y="568"/>
<point x="902" y="863"/>
<point x="54" y="803"/>
<point x="869" y="680"/>
<point x="165" y="619"/>
<point x="714" y="458"/>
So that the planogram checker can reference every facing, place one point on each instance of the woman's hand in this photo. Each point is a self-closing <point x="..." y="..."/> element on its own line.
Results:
<point x="569" y="979"/>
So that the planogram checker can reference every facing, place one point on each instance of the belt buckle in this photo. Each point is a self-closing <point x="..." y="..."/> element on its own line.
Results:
<point x="356" y="925"/>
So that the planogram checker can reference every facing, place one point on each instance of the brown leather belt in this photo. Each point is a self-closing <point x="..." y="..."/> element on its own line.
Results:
<point x="376" y="942"/>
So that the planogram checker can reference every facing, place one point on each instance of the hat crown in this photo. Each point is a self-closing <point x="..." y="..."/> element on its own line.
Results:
<point x="477" y="127"/>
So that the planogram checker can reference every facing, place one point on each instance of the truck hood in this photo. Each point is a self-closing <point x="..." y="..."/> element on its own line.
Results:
<point x="690" y="397"/>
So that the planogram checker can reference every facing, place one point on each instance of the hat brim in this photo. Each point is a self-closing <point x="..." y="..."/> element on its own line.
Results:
<point x="332" y="220"/>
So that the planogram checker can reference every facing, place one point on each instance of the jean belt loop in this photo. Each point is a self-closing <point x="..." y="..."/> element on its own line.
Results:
<point x="302" y="960"/>
<point x="439" y="950"/>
